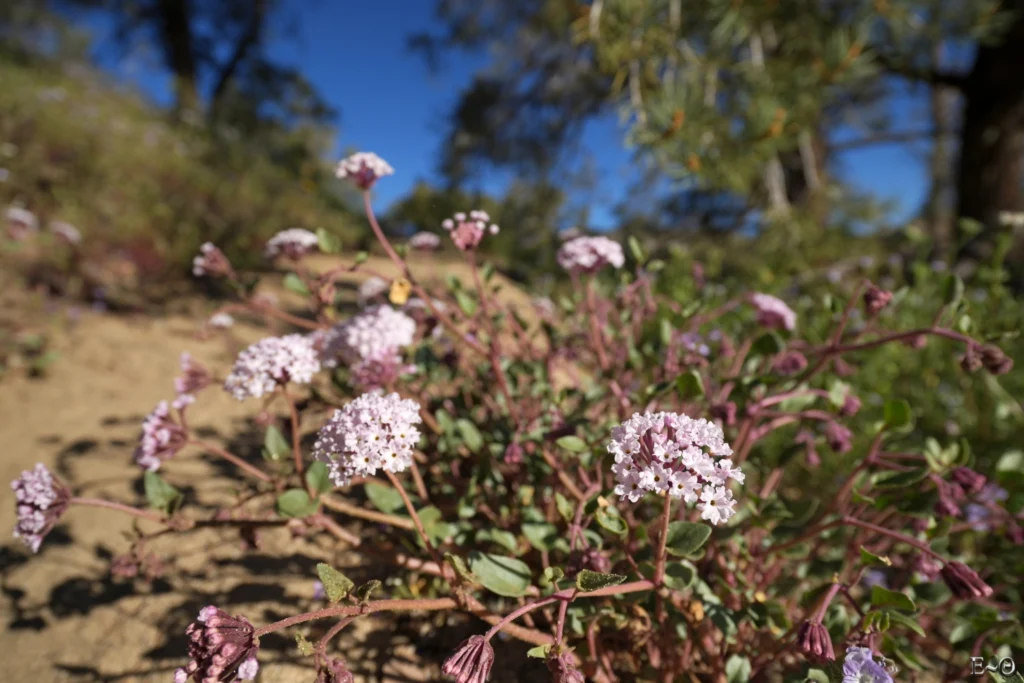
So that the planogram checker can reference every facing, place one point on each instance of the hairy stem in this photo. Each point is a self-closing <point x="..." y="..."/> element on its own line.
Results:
<point x="120" y="507"/>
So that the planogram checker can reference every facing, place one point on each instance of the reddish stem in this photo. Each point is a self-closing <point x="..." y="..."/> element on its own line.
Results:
<point x="233" y="459"/>
<point x="120" y="507"/>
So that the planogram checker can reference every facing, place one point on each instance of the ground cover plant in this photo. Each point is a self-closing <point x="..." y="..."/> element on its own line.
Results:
<point x="639" y="485"/>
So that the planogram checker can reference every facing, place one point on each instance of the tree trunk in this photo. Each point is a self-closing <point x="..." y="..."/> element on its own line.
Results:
<point x="939" y="208"/>
<point x="179" y="51"/>
<point x="991" y="166"/>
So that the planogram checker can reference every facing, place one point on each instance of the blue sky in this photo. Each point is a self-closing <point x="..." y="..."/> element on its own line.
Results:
<point x="392" y="104"/>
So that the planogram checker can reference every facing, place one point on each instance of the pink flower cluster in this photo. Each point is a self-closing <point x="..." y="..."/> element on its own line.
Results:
<point x="194" y="378"/>
<point x="590" y="254"/>
<point x="376" y="333"/>
<point x="211" y="261"/>
<point x="363" y="169"/>
<point x="65" y="231"/>
<point x="773" y="312"/>
<point x="468" y="231"/>
<point x="372" y="288"/>
<point x="675" y="454"/>
<point x="375" y="431"/>
<point x="221" y="648"/>
<point x="425" y="241"/>
<point x="40" y="501"/>
<point x="270" y="363"/>
<point x="293" y="243"/>
<point x="20" y="222"/>
<point x="161" y="438"/>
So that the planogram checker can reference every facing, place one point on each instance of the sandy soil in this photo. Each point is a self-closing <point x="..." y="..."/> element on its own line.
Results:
<point x="65" y="618"/>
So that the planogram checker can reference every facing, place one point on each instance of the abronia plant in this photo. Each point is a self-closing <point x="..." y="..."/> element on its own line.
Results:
<point x="614" y="480"/>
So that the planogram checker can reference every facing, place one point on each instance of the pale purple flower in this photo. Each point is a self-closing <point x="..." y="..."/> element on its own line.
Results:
<point x="161" y="438"/>
<point x="221" y="648"/>
<point x="20" y="222"/>
<point x="293" y="243"/>
<point x="66" y="232"/>
<point x="992" y="493"/>
<point x="270" y="363"/>
<point x="425" y="241"/>
<point x="371" y="288"/>
<point x="657" y="452"/>
<point x="319" y="592"/>
<point x="874" y="577"/>
<point x="376" y="333"/>
<point x="211" y="261"/>
<point x="978" y="516"/>
<point x="694" y="343"/>
<point x="375" y="431"/>
<point x="468" y="231"/>
<point x="221" y="321"/>
<point x="40" y="500"/>
<point x="194" y="376"/>
<point x="590" y="254"/>
<point x="380" y="371"/>
<point x="860" y="667"/>
<point x="5" y="175"/>
<point x="773" y="312"/>
<point x="363" y="169"/>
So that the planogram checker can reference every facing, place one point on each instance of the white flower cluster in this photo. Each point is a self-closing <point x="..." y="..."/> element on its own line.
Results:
<point x="363" y="169"/>
<point x="272" y="362"/>
<point x="425" y="241"/>
<point x="676" y="455"/>
<point x="40" y="500"/>
<point x="293" y="243"/>
<point x="66" y="232"/>
<point x="468" y="231"/>
<point x="20" y="222"/>
<point x="372" y="288"/>
<point x="590" y="254"/>
<point x="210" y="261"/>
<point x="1012" y="219"/>
<point x="372" y="334"/>
<point x="773" y="311"/>
<point x="221" y="321"/>
<point x="375" y="431"/>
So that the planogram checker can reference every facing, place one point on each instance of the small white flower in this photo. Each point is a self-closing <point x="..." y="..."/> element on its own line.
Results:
<point x="590" y="254"/>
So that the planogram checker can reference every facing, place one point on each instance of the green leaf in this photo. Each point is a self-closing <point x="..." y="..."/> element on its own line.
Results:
<point x="837" y="393"/>
<point x="328" y="242"/>
<point x="589" y="581"/>
<point x="466" y="302"/>
<point x="539" y="652"/>
<point x="505" y="576"/>
<point x="506" y="539"/>
<point x="897" y="413"/>
<point x="296" y="503"/>
<point x="551" y="576"/>
<point x="816" y="676"/>
<point x="540" y="535"/>
<point x="461" y="568"/>
<point x="384" y="498"/>
<point x="572" y="443"/>
<point x="893" y="480"/>
<point x="294" y="283"/>
<point x="305" y="647"/>
<point x="904" y="620"/>
<point x="275" y="446"/>
<point x="336" y="584"/>
<point x="318" y="478"/>
<point x="690" y="385"/>
<point x="883" y="597"/>
<point x="365" y="591"/>
<point x="686" y="538"/>
<point x="160" y="495"/>
<point x="470" y="434"/>
<point x="737" y="669"/>
<point x="565" y="508"/>
<point x="768" y="344"/>
<point x="952" y="290"/>
<point x="609" y="519"/>
<point x="635" y="249"/>
<point x="680" y="575"/>
<point x="871" y="560"/>
<point x="1011" y="461"/>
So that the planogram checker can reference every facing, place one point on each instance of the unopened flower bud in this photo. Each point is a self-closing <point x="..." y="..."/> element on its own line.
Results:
<point x="851" y="406"/>
<point x="563" y="669"/>
<point x="815" y="642"/>
<point x="964" y="582"/>
<point x="969" y="480"/>
<point x="471" y="663"/>
<point x="971" y="360"/>
<point x="726" y="412"/>
<point x="334" y="670"/>
<point x="790" y="363"/>
<point x="839" y="438"/>
<point x="995" y="361"/>
<point x="875" y="299"/>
